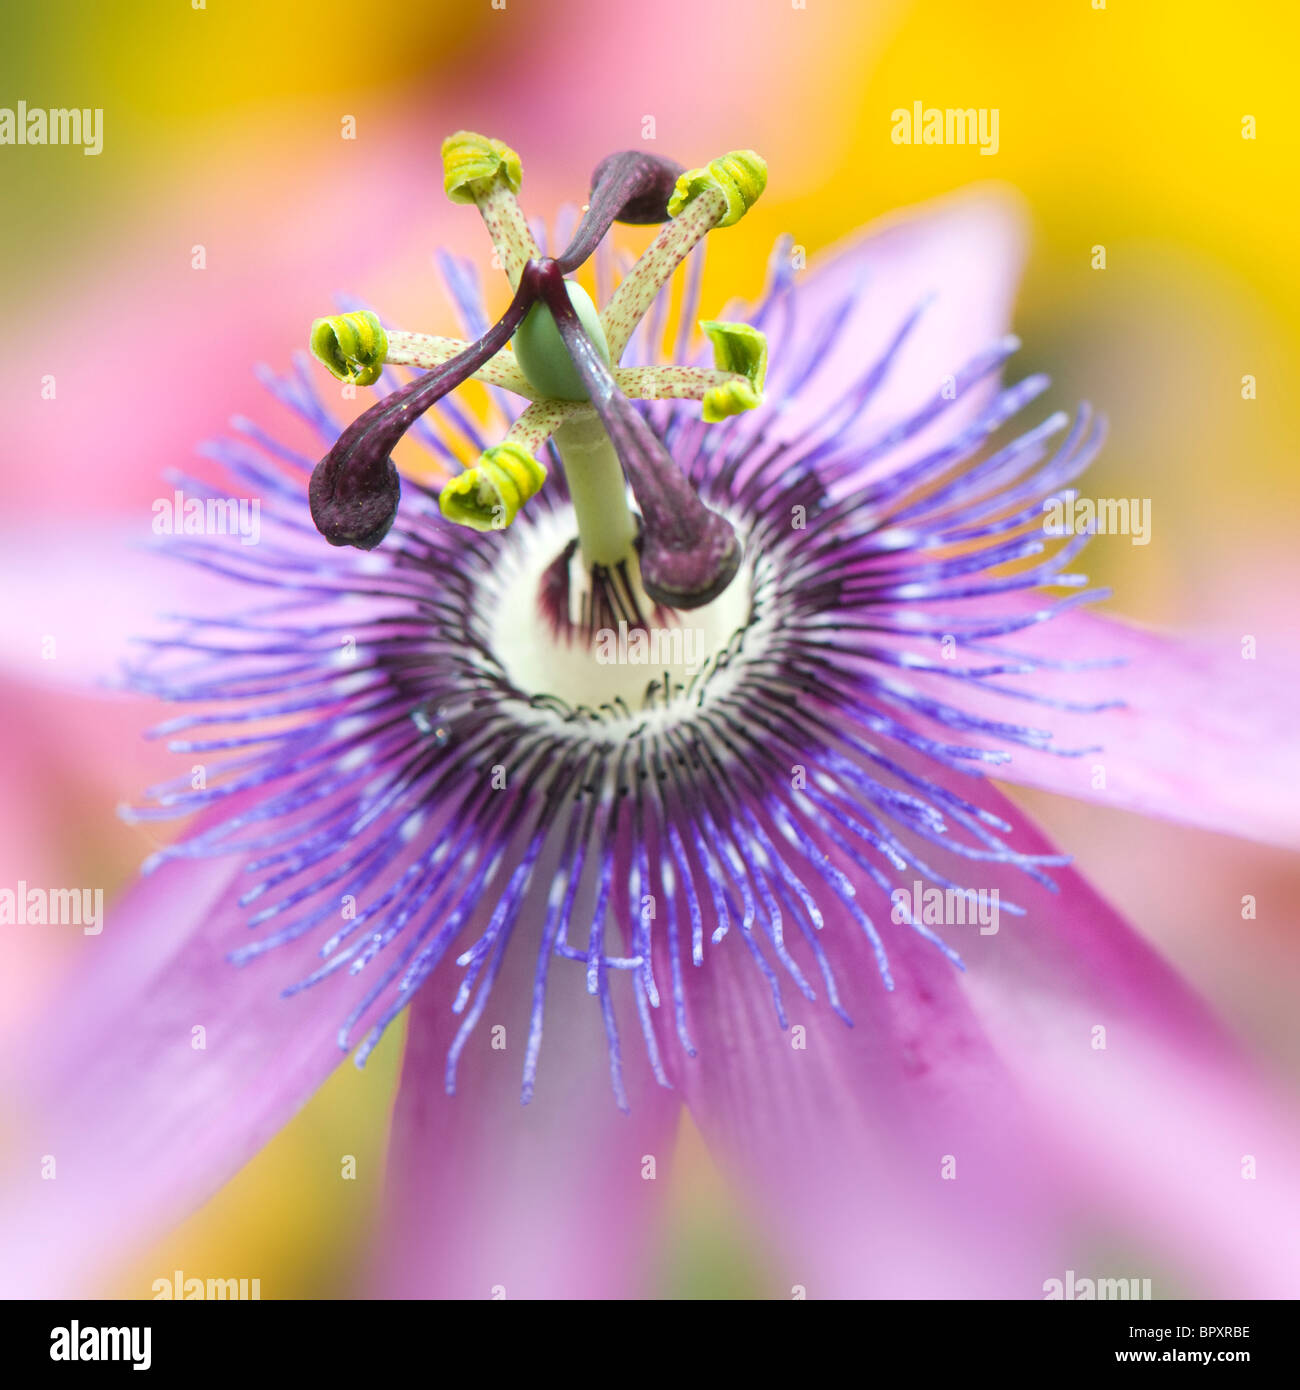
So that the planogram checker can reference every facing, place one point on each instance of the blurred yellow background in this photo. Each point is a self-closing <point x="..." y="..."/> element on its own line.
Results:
<point x="1118" y="126"/>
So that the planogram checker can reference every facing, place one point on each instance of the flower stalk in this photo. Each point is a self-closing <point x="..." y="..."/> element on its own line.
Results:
<point x="607" y="530"/>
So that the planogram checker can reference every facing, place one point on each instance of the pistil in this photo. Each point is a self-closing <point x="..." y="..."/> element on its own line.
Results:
<point x="685" y="553"/>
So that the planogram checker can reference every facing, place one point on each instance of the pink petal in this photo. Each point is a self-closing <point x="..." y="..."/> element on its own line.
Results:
<point x="1062" y="1151"/>
<point x="142" y="1125"/>
<point x="104" y="439"/>
<point x="840" y="1145"/>
<point x="75" y="757"/>
<point x="1206" y="737"/>
<point x="87" y="592"/>
<point x="960" y="257"/>
<point x="491" y="1198"/>
<point x="1160" y="1122"/>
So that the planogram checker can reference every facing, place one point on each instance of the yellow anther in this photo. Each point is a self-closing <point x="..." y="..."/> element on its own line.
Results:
<point x="740" y="177"/>
<point x="738" y="348"/>
<point x="488" y="496"/>
<point x="470" y="164"/>
<point x="352" y="346"/>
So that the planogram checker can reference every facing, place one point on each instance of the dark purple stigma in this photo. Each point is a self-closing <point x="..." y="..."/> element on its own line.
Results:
<point x="630" y="187"/>
<point x="355" y="489"/>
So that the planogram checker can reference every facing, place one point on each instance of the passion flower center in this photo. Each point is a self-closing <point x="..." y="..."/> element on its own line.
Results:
<point x="616" y="666"/>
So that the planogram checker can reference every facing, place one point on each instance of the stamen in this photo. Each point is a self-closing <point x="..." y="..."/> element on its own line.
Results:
<point x="352" y="346"/>
<point x="740" y="349"/>
<point x="356" y="347"/>
<point x="536" y="425"/>
<point x="672" y="383"/>
<point x="488" y="173"/>
<point x="429" y="350"/>
<point x="735" y="385"/>
<point x="526" y="436"/>
<point x="488" y="496"/>
<point x="703" y="199"/>
<point x="740" y="177"/>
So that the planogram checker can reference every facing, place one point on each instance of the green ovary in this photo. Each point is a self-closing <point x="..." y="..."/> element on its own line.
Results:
<point x="541" y="353"/>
